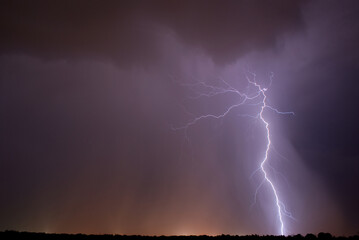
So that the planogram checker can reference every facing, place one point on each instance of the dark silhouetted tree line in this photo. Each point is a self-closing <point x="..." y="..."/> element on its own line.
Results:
<point x="51" y="236"/>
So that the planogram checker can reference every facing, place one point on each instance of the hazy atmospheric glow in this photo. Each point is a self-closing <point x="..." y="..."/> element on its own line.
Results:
<point x="146" y="117"/>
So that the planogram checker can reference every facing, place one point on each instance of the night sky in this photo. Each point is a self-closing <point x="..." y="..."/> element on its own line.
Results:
<point x="91" y="91"/>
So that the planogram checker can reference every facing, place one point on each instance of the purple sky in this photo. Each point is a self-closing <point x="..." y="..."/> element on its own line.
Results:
<point x="90" y="90"/>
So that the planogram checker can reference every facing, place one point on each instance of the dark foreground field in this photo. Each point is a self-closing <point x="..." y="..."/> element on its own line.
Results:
<point x="42" y="236"/>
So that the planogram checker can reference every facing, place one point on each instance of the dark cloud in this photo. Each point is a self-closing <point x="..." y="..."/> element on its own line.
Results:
<point x="326" y="91"/>
<point x="322" y="78"/>
<point x="123" y="31"/>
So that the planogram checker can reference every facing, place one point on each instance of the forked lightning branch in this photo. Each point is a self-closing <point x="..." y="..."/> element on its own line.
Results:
<point x="255" y="95"/>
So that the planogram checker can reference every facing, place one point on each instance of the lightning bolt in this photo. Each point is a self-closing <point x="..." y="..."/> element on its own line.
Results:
<point x="256" y="98"/>
<point x="264" y="105"/>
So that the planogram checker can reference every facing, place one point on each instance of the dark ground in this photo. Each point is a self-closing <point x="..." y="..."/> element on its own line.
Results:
<point x="40" y="236"/>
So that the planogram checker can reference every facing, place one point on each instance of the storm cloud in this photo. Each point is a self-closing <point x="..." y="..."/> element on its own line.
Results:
<point x="127" y="32"/>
